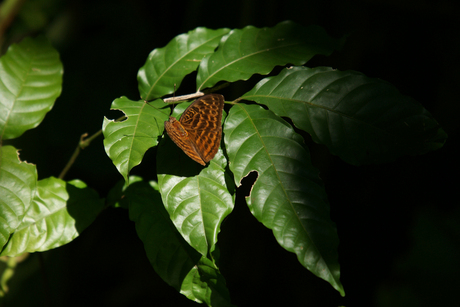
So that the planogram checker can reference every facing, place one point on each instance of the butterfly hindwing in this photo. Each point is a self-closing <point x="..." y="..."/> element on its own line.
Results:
<point x="176" y="133"/>
<point x="208" y="142"/>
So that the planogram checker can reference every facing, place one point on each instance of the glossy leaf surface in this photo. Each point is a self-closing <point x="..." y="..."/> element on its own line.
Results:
<point x="251" y="50"/>
<point x="59" y="212"/>
<point x="17" y="189"/>
<point x="171" y="256"/>
<point x="30" y="82"/>
<point x="127" y="141"/>
<point x="288" y="196"/>
<point x="196" y="198"/>
<point x="166" y="67"/>
<point x="362" y="120"/>
<point x="205" y="284"/>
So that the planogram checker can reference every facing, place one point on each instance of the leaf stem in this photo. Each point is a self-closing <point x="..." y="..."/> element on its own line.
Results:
<point x="82" y="144"/>
<point x="73" y="158"/>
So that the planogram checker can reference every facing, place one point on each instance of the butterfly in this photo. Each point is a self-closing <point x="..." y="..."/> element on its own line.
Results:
<point x="198" y="131"/>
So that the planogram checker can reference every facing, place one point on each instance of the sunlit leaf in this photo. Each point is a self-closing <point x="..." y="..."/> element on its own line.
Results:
<point x="288" y="196"/>
<point x="205" y="284"/>
<point x="175" y="261"/>
<point x="251" y="50"/>
<point x="30" y="82"/>
<point x="59" y="212"/>
<point x="196" y="198"/>
<point x="127" y="141"/>
<point x="166" y="67"/>
<point x="362" y="120"/>
<point x="17" y="189"/>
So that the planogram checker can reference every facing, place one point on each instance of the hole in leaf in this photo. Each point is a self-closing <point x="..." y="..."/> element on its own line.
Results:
<point x="247" y="183"/>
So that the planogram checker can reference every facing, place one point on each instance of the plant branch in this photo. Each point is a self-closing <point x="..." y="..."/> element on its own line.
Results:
<point x="8" y="272"/>
<point x="82" y="144"/>
<point x="173" y="100"/>
<point x="73" y="158"/>
<point x="8" y="11"/>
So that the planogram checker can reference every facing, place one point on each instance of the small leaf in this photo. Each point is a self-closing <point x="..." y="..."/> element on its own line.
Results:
<point x="360" y="119"/>
<point x="59" y="212"/>
<point x="205" y="284"/>
<point x="288" y="196"/>
<point x="249" y="51"/>
<point x="30" y="82"/>
<point x="166" y="67"/>
<point x="196" y="198"/>
<point x="171" y="257"/>
<point x="17" y="189"/>
<point x="126" y="142"/>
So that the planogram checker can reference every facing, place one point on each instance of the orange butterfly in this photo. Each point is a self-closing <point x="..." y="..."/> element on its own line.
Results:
<point x="198" y="131"/>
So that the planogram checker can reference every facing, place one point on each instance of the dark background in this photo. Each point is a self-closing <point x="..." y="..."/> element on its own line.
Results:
<point x="398" y="223"/>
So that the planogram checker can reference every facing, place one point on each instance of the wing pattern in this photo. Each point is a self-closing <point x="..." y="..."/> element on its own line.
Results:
<point x="199" y="130"/>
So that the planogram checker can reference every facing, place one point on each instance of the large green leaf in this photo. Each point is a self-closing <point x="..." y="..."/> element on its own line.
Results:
<point x="127" y="141"/>
<point x="288" y="196"/>
<point x="171" y="256"/>
<point x="361" y="119"/>
<point x="196" y="198"/>
<point x="17" y="189"/>
<point x="166" y="67"/>
<point x="30" y="82"/>
<point x="59" y="212"/>
<point x="249" y="51"/>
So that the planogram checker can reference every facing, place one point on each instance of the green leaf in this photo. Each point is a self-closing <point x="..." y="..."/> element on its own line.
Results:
<point x="360" y="119"/>
<point x="30" y="82"/>
<point x="166" y="67"/>
<point x="175" y="261"/>
<point x="171" y="257"/>
<point x="205" y="284"/>
<point x="196" y="198"/>
<point x="126" y="142"/>
<point x="59" y="212"/>
<point x="249" y="51"/>
<point x="17" y="189"/>
<point x="288" y="196"/>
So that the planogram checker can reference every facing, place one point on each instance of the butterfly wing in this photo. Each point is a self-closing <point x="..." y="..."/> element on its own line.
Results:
<point x="178" y="134"/>
<point x="202" y="121"/>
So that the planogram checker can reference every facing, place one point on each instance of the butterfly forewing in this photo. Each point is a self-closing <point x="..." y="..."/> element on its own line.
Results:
<point x="199" y="131"/>
<point x="204" y="113"/>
